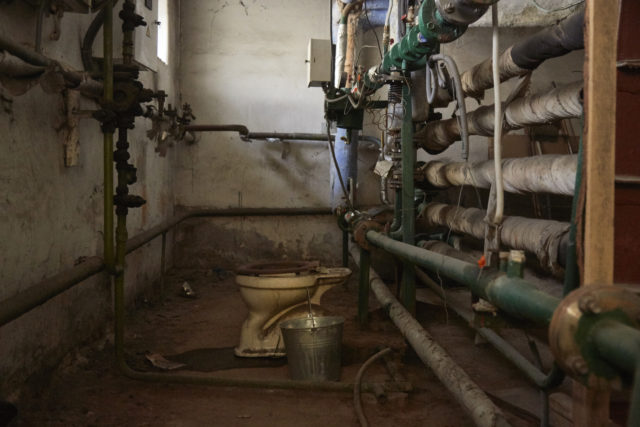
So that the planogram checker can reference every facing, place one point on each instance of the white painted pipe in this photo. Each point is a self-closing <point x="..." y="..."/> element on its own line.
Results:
<point x="497" y="120"/>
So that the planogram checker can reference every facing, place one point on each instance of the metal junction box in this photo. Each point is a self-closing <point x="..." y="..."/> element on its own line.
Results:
<point x="318" y="62"/>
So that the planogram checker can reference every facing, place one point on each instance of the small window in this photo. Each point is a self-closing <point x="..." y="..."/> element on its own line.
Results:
<point x="163" y="31"/>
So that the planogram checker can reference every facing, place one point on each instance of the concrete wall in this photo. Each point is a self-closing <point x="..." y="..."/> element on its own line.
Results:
<point x="244" y="62"/>
<point x="51" y="215"/>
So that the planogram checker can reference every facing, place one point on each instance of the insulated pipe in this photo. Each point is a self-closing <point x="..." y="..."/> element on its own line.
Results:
<point x="523" y="57"/>
<point x="548" y="173"/>
<point x="563" y="102"/>
<point x="478" y="406"/>
<point x="542" y="237"/>
<point x="73" y="79"/>
<point x="13" y="66"/>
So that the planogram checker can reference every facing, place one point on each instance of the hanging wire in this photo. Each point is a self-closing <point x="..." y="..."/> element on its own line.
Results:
<point x="366" y="15"/>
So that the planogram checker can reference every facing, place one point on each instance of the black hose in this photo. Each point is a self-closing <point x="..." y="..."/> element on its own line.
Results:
<point x="86" y="52"/>
<point x="357" y="404"/>
<point x="557" y="40"/>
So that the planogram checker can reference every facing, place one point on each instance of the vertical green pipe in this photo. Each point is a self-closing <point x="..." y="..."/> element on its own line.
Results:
<point x="363" y="287"/>
<point x="408" y="285"/>
<point x="108" y="136"/>
<point x="571" y="272"/>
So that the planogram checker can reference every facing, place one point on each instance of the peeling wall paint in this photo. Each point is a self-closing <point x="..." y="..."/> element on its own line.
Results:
<point x="244" y="62"/>
<point x="51" y="215"/>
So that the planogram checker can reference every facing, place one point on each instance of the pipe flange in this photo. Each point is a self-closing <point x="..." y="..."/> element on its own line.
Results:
<point x="360" y="232"/>
<point x="571" y="325"/>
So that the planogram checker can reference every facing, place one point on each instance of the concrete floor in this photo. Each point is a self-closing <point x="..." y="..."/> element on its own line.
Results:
<point x="88" y="389"/>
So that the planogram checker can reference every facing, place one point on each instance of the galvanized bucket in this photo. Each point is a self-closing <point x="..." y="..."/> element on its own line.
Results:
<point x="313" y="347"/>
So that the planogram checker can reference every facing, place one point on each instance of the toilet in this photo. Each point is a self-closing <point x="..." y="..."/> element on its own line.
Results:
<point x="278" y="291"/>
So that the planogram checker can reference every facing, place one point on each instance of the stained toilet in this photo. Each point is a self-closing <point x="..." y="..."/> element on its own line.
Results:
<point x="277" y="291"/>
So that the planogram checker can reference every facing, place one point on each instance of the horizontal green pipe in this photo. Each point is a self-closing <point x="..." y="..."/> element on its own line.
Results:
<point x="513" y="295"/>
<point x="618" y="344"/>
<point x="535" y="375"/>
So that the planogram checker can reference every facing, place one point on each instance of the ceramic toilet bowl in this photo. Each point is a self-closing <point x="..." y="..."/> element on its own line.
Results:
<point x="277" y="291"/>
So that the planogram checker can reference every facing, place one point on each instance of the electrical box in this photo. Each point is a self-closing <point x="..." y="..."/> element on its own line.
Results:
<point x="318" y="62"/>
<point x="145" y="39"/>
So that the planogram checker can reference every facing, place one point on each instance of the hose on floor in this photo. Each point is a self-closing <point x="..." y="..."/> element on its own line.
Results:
<point x="357" y="403"/>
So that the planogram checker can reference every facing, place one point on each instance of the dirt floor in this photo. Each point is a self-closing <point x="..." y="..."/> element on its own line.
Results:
<point x="88" y="390"/>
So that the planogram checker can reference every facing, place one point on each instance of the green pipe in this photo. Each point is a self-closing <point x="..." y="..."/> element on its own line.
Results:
<point x="619" y="345"/>
<point x="535" y="375"/>
<point x="513" y="295"/>
<point x="471" y="397"/>
<point x="408" y="285"/>
<point x="363" y="287"/>
<point x="572" y="271"/>
<point x="108" y="137"/>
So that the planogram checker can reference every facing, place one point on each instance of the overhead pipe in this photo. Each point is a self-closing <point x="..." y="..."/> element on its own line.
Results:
<point x="544" y="238"/>
<point x="472" y="398"/>
<point x="563" y="102"/>
<point x="523" y="57"/>
<point x="73" y="79"/>
<point x="548" y="173"/>
<point x="437" y="23"/>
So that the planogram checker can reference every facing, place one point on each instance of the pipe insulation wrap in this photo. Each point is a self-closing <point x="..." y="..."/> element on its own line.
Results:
<point x="563" y="102"/>
<point x="557" y="40"/>
<point x="549" y="173"/>
<point x="479" y="77"/>
<point x="479" y="407"/>
<point x="538" y="236"/>
<point x="523" y="57"/>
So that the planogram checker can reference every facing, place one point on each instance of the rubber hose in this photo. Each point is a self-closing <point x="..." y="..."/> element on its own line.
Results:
<point x="357" y="403"/>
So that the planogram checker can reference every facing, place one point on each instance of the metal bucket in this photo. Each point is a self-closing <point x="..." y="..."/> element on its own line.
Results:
<point x="313" y="353"/>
